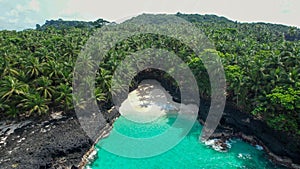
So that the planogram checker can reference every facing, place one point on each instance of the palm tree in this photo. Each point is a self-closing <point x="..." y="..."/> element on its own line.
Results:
<point x="64" y="96"/>
<point x="53" y="69"/>
<point x="33" y="67"/>
<point x="100" y="95"/>
<point x="7" y="68"/>
<point x="11" y="86"/>
<point x="44" y="87"/>
<point x="34" y="103"/>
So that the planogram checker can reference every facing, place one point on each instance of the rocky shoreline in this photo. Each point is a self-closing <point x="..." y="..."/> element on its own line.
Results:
<point x="280" y="147"/>
<point x="90" y="154"/>
<point x="57" y="141"/>
<point x="228" y="131"/>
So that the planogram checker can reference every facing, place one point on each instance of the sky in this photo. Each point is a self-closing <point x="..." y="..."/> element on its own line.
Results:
<point x="23" y="14"/>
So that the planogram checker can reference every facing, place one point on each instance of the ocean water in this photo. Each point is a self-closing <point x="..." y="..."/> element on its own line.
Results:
<point x="190" y="153"/>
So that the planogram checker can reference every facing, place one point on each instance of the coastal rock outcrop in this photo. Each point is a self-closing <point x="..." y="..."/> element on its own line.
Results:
<point x="57" y="142"/>
<point x="281" y="147"/>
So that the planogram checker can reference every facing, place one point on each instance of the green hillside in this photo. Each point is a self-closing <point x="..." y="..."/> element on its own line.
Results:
<point x="262" y="64"/>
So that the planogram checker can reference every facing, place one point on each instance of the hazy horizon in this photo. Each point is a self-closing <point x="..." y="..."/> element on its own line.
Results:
<point x="18" y="15"/>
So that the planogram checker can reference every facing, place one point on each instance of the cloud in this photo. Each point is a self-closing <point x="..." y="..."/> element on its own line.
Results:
<point x="31" y="6"/>
<point x="279" y="11"/>
<point x="30" y="20"/>
<point x="15" y="12"/>
<point x="34" y="5"/>
<point x="21" y="14"/>
<point x="13" y="20"/>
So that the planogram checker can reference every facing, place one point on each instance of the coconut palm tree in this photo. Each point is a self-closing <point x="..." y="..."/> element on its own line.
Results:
<point x="10" y="87"/>
<point x="34" y="103"/>
<point x="33" y="67"/>
<point x="44" y="86"/>
<point x="64" y="97"/>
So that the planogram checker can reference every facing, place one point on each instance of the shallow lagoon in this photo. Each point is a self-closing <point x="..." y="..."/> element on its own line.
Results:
<point x="189" y="153"/>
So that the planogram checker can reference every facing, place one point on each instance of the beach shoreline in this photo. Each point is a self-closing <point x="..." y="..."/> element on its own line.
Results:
<point x="59" y="141"/>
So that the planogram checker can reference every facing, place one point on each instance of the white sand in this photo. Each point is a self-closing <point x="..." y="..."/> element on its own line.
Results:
<point x="151" y="101"/>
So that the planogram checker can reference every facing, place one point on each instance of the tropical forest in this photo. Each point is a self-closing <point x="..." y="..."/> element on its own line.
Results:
<point x="261" y="63"/>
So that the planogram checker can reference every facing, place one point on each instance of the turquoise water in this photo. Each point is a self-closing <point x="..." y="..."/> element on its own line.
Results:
<point x="189" y="153"/>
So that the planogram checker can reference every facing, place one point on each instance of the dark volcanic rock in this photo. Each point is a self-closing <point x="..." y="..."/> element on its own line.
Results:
<point x="256" y="132"/>
<point x="60" y="142"/>
<point x="52" y="143"/>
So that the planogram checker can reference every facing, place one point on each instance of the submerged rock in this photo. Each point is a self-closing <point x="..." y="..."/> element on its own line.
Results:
<point x="258" y="147"/>
<point x="218" y="144"/>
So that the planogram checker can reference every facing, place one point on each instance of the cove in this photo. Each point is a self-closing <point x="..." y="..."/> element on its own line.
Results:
<point x="189" y="153"/>
<point x="149" y="112"/>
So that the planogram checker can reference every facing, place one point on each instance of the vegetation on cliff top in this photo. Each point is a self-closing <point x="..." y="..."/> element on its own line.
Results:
<point x="261" y="61"/>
